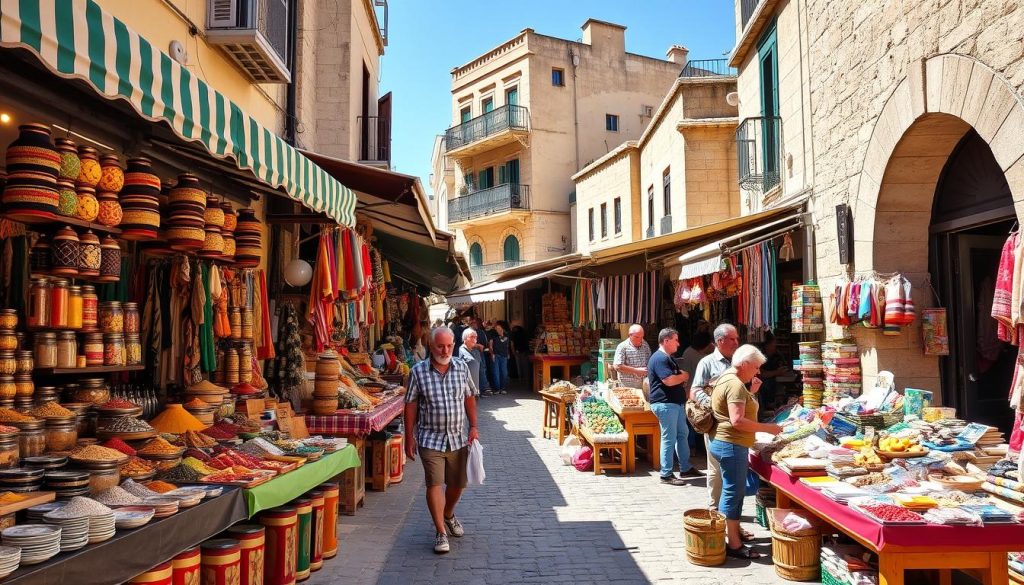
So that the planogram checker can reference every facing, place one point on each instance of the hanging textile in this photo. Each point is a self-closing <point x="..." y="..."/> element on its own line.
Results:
<point x="261" y="321"/>
<point x="1002" y="300"/>
<point x="584" y="304"/>
<point x="291" y="362"/>
<point x="204" y="297"/>
<point x="321" y="295"/>
<point x="632" y="298"/>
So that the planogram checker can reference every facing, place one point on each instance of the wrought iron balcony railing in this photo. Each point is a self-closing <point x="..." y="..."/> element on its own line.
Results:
<point x="708" y="68"/>
<point x="759" y="153"/>
<point x="484" y="271"/>
<point x="489" y="124"/>
<point x="505" y="197"/>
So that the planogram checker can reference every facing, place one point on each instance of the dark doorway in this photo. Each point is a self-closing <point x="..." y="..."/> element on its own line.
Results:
<point x="972" y="217"/>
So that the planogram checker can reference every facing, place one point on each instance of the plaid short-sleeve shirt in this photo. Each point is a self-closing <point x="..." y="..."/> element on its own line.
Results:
<point x="441" y="404"/>
<point x="637" y="357"/>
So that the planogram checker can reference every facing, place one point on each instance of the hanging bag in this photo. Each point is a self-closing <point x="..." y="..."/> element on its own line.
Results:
<point x="701" y="417"/>
<point x="475" y="473"/>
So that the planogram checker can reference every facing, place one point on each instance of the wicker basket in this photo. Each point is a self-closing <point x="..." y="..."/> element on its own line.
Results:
<point x="797" y="555"/>
<point x="705" y="537"/>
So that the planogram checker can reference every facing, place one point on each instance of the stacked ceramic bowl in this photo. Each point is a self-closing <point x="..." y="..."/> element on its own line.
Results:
<point x="187" y="222"/>
<point x="162" y="506"/>
<point x="187" y="496"/>
<point x="139" y="203"/>
<point x="101" y="527"/>
<point x="10" y="559"/>
<point x="38" y="542"/>
<point x="33" y="164"/>
<point x="21" y="480"/>
<point x="74" y="530"/>
<point x="36" y="513"/>
<point x="67" y="484"/>
<point x="127" y="517"/>
<point x="248" y="236"/>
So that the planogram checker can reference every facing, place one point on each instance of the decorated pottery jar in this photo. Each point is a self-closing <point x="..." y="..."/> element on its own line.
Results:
<point x="230" y="217"/>
<point x="90" y="172"/>
<point x="111" y="174"/>
<point x="110" y="260"/>
<point x="213" y="244"/>
<point x="70" y="165"/>
<point x="89" y="254"/>
<point x="140" y="201"/>
<point x="109" y="212"/>
<point x="213" y="215"/>
<point x="67" y="198"/>
<point x="64" y="251"/>
<point x="30" y="191"/>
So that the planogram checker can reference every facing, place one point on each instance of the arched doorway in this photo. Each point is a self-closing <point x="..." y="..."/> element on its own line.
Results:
<point x="510" y="250"/>
<point x="476" y="254"/>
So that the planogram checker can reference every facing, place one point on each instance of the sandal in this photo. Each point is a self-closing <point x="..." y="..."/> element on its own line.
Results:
<point x="743" y="552"/>
<point x="746" y="535"/>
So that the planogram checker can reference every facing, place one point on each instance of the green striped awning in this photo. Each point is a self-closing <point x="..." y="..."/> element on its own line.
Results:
<point x="78" y="39"/>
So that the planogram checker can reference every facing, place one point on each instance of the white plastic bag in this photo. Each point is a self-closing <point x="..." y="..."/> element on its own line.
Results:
<point x="475" y="473"/>
<point x="570" y="445"/>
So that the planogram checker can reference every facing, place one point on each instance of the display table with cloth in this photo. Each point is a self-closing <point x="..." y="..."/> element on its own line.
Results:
<point x="642" y="424"/>
<point x="980" y="550"/>
<point x="287" y="487"/>
<point x="543" y="364"/>
<point x="355" y="425"/>
<point x="132" y="552"/>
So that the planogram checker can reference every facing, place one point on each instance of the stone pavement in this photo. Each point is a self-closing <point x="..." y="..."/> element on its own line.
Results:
<point x="534" y="521"/>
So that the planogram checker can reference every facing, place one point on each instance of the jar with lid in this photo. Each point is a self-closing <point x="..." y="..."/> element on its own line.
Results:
<point x="59" y="297"/>
<point x="113" y="349"/>
<point x="8" y="363"/>
<point x="133" y="350"/>
<point x="93" y="349"/>
<point x="24" y="404"/>
<point x="9" y="452"/>
<point x="32" y="441"/>
<point x="64" y="252"/>
<point x="67" y="349"/>
<point x="39" y="303"/>
<point x="89" y="254"/>
<point x="75" y="307"/>
<point x="46" y="349"/>
<point x="7" y="387"/>
<point x="104" y="477"/>
<point x="93" y="390"/>
<point x="23" y="385"/>
<point x="8" y="341"/>
<point x="24" y="362"/>
<point x="111" y="317"/>
<point x="90" y="308"/>
<point x="8" y="319"/>
<point x="45" y="394"/>
<point x="131" y="318"/>
<point x="61" y="433"/>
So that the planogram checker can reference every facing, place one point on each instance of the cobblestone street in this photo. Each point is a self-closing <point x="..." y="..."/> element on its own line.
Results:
<point x="534" y="521"/>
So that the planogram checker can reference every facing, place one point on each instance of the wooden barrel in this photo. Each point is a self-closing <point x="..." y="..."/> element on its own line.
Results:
<point x="185" y="568"/>
<point x="158" y="575"/>
<point x="796" y="554"/>
<point x="222" y="561"/>
<point x="304" y="509"/>
<point x="705" y="537"/>
<point x="332" y="496"/>
<point x="282" y="539"/>
<point x="316" y="545"/>
<point x="252" y="539"/>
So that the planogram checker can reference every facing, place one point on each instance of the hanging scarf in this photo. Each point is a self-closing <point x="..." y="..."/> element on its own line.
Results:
<point x="321" y="296"/>
<point x="204" y="296"/>
<point x="264" y="341"/>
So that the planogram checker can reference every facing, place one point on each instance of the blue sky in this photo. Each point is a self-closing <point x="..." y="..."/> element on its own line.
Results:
<point x="427" y="38"/>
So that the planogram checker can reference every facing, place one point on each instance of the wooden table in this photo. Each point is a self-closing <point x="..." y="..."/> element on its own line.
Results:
<point x="555" y="416"/>
<point x="642" y="424"/>
<point x="978" y="551"/>
<point x="543" y="364"/>
<point x="616" y="453"/>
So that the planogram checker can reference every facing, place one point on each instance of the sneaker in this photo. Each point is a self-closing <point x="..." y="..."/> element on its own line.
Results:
<point x="693" y="473"/>
<point x="441" y="543"/>
<point x="672" y="480"/>
<point x="502" y="392"/>
<point x="454" y="526"/>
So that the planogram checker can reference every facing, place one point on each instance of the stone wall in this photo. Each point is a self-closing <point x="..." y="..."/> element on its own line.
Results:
<point x="616" y="178"/>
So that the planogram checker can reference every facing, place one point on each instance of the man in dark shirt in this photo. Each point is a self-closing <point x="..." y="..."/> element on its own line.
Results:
<point x="667" y="396"/>
<point x="520" y="347"/>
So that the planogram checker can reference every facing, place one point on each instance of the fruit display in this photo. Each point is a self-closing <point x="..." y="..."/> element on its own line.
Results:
<point x="599" y="417"/>
<point x="894" y="444"/>
<point x="866" y="457"/>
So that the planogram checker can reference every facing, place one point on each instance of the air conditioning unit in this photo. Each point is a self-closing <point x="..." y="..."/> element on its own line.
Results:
<point x="255" y="34"/>
<point x="648" y="111"/>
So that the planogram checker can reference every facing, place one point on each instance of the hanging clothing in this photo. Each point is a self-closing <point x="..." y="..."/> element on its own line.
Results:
<point x="632" y="298"/>
<point x="203" y="296"/>
<point x="1002" y="300"/>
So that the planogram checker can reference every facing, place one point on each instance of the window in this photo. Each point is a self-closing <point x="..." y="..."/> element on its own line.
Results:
<point x="486" y="178"/>
<point x="611" y="122"/>
<point x="590" y="221"/>
<point x="509" y="172"/>
<point x="604" y="220"/>
<point x="666" y="183"/>
<point x="465" y="115"/>
<point x="510" y="249"/>
<point x="468" y="180"/>
<point x="558" y="77"/>
<point x="650" y="206"/>
<point x="487" y="105"/>
<point x="768" y="66"/>
<point x="512" y="96"/>
<point x="476" y="254"/>
<point x="617" y="213"/>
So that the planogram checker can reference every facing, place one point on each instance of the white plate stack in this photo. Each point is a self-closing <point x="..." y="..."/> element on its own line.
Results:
<point x="101" y="527"/>
<point x="38" y="542"/>
<point x="36" y="513"/>
<point x="10" y="558"/>
<point x="74" y="531"/>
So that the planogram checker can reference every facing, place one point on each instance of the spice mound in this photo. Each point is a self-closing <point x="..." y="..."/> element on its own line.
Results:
<point x="136" y="467"/>
<point x="98" y="453"/>
<point x="196" y="439"/>
<point x="181" y="474"/>
<point x="198" y="465"/>
<point x="10" y="415"/>
<point x="161" y="487"/>
<point x="117" y="496"/>
<point x="159" y="446"/>
<point x="127" y="424"/>
<point x="137" y="489"/>
<point x="119" y="445"/>
<point x="175" y="419"/>
<point x="80" y="506"/>
<point x="118" y="403"/>
<point x="51" y="410"/>
<point x="197" y="403"/>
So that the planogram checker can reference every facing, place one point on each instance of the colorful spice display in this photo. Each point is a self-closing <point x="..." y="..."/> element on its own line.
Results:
<point x="175" y="419"/>
<point x="51" y="410"/>
<point x="117" y="496"/>
<point x="160" y="487"/>
<point x="127" y="424"/>
<point x="80" y="506"/>
<point x="197" y="403"/>
<point x="98" y="453"/>
<point x="159" y="446"/>
<point x="9" y="415"/>
<point x="135" y="467"/>
<point x="196" y="439"/>
<point x="118" y="403"/>
<point x="198" y="465"/>
<point x="181" y="474"/>
<point x="119" y="445"/>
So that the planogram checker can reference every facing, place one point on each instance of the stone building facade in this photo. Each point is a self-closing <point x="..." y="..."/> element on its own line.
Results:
<point x="911" y="114"/>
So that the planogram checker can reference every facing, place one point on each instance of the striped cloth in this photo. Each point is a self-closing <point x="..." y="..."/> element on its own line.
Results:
<point x="631" y="298"/>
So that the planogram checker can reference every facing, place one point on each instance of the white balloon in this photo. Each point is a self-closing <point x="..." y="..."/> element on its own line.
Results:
<point x="298" y="273"/>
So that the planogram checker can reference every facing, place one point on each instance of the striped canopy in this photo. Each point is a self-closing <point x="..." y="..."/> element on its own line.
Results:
<point x="78" y="39"/>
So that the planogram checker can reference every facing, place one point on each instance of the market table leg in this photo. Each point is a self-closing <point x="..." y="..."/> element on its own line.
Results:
<point x="890" y="569"/>
<point x="998" y="569"/>
<point x="562" y="415"/>
<point x="782" y="499"/>
<point x="630" y="448"/>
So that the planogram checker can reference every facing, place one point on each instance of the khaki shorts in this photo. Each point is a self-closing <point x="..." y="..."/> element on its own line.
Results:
<point x="445" y="467"/>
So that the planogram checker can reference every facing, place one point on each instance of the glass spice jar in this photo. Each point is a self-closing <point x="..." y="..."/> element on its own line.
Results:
<point x="111" y="317"/>
<point x="46" y="349"/>
<point x="23" y="385"/>
<point x="113" y="349"/>
<point x="131" y="318"/>
<point x="9" y="452"/>
<point x="8" y="363"/>
<point x="75" y="307"/>
<point x="39" y="303"/>
<point x="24" y="404"/>
<point x="59" y="297"/>
<point x="7" y="387"/>
<point x="8" y="319"/>
<point x="104" y="478"/>
<point x="67" y="349"/>
<point x="93" y="349"/>
<point x="93" y="390"/>
<point x="24" y="361"/>
<point x="39" y="256"/>
<point x="32" y="442"/>
<point x="133" y="350"/>
<point x="90" y="308"/>
<point x="61" y="433"/>
<point x="8" y="341"/>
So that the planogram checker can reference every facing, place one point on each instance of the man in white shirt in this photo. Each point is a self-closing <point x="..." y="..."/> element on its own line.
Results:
<point x="631" y="357"/>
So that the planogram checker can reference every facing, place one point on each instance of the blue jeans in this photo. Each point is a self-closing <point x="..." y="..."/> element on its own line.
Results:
<point x="672" y="419"/>
<point x="500" y="372"/>
<point x="735" y="464"/>
<point x="485" y="373"/>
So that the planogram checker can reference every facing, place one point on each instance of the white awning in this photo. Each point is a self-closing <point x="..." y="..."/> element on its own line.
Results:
<point x="708" y="258"/>
<point x="495" y="291"/>
<point x="704" y="260"/>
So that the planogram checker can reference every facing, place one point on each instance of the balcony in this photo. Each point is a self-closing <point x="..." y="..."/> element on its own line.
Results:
<point x="495" y="128"/>
<point x="650" y="232"/>
<point x="489" y="202"/>
<point x="482" y="272"/>
<point x="375" y="140"/>
<point x="759" y="153"/>
<point x="254" y="33"/>
<point x="707" y="68"/>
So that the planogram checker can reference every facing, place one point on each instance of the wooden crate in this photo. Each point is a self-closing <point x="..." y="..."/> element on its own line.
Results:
<point x="353" y="482"/>
<point x="375" y="461"/>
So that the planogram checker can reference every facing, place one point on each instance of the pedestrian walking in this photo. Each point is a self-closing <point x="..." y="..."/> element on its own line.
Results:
<point x="727" y="339"/>
<point x="440" y="403"/>
<point x="470" y="353"/>
<point x="667" y="396"/>
<point x="500" y="349"/>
